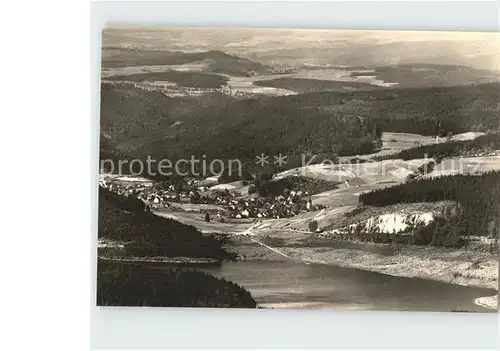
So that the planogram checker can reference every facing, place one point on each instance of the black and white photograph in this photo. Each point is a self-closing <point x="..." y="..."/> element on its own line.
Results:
<point x="267" y="168"/>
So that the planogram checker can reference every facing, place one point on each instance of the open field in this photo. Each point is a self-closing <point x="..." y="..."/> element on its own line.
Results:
<point x="188" y="207"/>
<point x="305" y="80"/>
<point x="197" y="66"/>
<point x="347" y="196"/>
<point x="180" y="79"/>
<point x="198" y="220"/>
<point x="392" y="143"/>
<point x="466" y="136"/>
<point x="300" y="222"/>
<point x="466" y="165"/>
<point x="318" y="77"/>
<point x="308" y="85"/>
<point x="396" y="142"/>
<point x="359" y="173"/>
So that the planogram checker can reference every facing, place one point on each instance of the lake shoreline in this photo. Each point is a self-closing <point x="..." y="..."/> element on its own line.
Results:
<point x="466" y="268"/>
<point x="160" y="259"/>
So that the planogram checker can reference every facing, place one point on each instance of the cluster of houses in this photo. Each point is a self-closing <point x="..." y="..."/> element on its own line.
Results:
<point x="146" y="191"/>
<point x="263" y="207"/>
<point x="276" y="208"/>
<point x="234" y="206"/>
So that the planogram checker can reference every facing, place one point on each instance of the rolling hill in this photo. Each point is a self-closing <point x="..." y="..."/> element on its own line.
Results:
<point x="319" y="46"/>
<point x="217" y="61"/>
<point x="417" y="75"/>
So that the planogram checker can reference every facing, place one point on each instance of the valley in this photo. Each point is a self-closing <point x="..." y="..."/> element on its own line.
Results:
<point x="387" y="170"/>
<point x="291" y="240"/>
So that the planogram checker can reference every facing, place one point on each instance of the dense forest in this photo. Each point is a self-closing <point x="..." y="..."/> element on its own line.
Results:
<point x="477" y="201"/>
<point x="124" y="284"/>
<point x="328" y="124"/>
<point x="131" y="117"/>
<point x="124" y="219"/>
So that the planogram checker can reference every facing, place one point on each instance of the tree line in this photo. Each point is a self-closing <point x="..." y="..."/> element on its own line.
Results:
<point x="476" y="197"/>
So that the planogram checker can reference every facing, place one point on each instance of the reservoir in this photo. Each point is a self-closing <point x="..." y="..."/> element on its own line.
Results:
<point x="299" y="285"/>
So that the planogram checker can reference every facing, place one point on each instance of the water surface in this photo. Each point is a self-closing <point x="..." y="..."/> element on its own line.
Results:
<point x="298" y="285"/>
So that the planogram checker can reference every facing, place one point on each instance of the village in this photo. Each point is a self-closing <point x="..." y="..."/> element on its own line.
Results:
<point x="212" y="202"/>
<point x="173" y="90"/>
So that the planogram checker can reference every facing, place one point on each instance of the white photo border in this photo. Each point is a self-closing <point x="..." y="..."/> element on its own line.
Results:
<point x="148" y="328"/>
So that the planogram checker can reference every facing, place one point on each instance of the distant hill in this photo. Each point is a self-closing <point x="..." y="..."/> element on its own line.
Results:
<point x="219" y="62"/>
<point x="280" y="46"/>
<point x="418" y="75"/>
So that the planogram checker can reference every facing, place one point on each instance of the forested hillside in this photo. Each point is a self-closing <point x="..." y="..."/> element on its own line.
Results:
<point x="124" y="219"/>
<point x="121" y="284"/>
<point x="477" y="199"/>
<point x="459" y="109"/>
<point x="131" y="118"/>
<point x="325" y="124"/>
